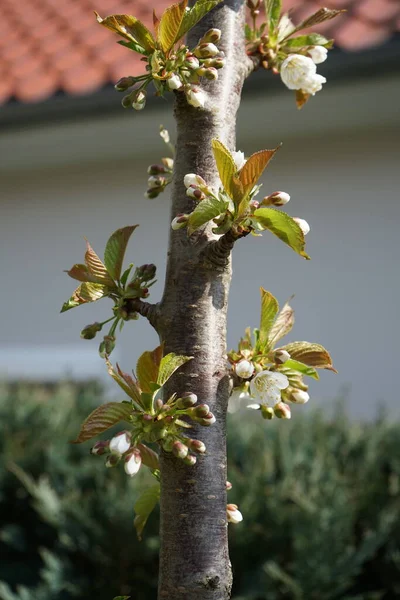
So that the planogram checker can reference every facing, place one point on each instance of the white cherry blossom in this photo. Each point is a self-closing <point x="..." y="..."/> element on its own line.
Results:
<point x="244" y="369"/>
<point x="239" y="159"/>
<point x="318" y="54"/>
<point x="120" y="443"/>
<point x="266" y="387"/>
<point x="299" y="72"/>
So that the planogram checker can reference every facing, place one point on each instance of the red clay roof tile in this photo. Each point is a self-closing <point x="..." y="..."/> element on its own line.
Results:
<point x="49" y="46"/>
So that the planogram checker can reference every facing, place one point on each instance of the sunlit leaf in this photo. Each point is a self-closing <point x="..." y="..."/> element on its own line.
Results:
<point x="195" y="14"/>
<point x="302" y="368"/>
<point x="269" y="310"/>
<point x="250" y="174"/>
<point x="144" y="506"/>
<point x="284" y="227"/>
<point x="81" y="273"/>
<point x="313" y="355"/>
<point x="127" y="383"/>
<point x="205" y="211"/>
<point x="102" y="418"/>
<point x="227" y="170"/>
<point x="312" y="39"/>
<point x="273" y="10"/>
<point x="323" y="14"/>
<point x="115" y="250"/>
<point x="168" y="365"/>
<point x="97" y="267"/>
<point x="283" y="324"/>
<point x="130" y="28"/>
<point x="86" y="292"/>
<point x="147" y="368"/>
<point x="170" y="24"/>
<point x="132" y="46"/>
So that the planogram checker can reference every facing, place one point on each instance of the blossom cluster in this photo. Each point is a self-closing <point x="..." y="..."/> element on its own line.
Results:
<point x="180" y="71"/>
<point x="299" y="72"/>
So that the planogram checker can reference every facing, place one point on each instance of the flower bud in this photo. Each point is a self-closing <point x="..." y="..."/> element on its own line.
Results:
<point x="318" y="54"/>
<point x="233" y="514"/>
<point x="107" y="345"/>
<point x="208" y="420"/>
<point x="168" y="163"/>
<point x="197" y="446"/>
<point x="179" y="222"/>
<point x="211" y="73"/>
<point x="239" y="158"/>
<point x="89" y="332"/>
<point x="298" y="396"/>
<point x="195" y="193"/>
<point x="195" y="96"/>
<point x="218" y="62"/>
<point x="100" y="447"/>
<point x="281" y="356"/>
<point x="155" y="181"/>
<point x="112" y="460"/>
<point x="302" y="223"/>
<point x="201" y="411"/>
<point x="120" y="443"/>
<point x="133" y="460"/>
<point x="174" y="82"/>
<point x="187" y="400"/>
<point x="206" y="50"/>
<point x="212" y="35"/>
<point x="124" y="83"/>
<point x="193" y="180"/>
<point x="179" y="449"/>
<point x="267" y="412"/>
<point x="282" y="411"/>
<point x="146" y="272"/>
<point x="190" y="460"/>
<point x="192" y="63"/>
<point x="155" y="169"/>
<point x="244" y="369"/>
<point x="228" y="486"/>
<point x="139" y="100"/>
<point x="276" y="199"/>
<point x="154" y="193"/>
<point x="253" y="4"/>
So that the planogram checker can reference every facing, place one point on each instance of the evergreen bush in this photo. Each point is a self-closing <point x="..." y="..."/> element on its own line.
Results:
<point x="320" y="498"/>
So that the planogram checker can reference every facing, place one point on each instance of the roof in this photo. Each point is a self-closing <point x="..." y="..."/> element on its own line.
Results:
<point x="50" y="46"/>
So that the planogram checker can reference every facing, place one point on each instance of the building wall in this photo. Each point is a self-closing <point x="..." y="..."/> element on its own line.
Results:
<point x="339" y="162"/>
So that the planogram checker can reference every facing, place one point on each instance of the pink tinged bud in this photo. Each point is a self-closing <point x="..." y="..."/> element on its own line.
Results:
<point x="318" y="54"/>
<point x="302" y="223"/>
<point x="202" y="410"/>
<point x="212" y="35"/>
<point x="195" y="193"/>
<point x="244" y="369"/>
<point x="179" y="222"/>
<point x="299" y="397"/>
<point x="120" y="443"/>
<point x="168" y="163"/>
<point x="233" y="514"/>
<point x="133" y="460"/>
<point x="196" y="97"/>
<point x="192" y="62"/>
<point x="282" y="411"/>
<point x="281" y="356"/>
<point x="190" y="460"/>
<point x="276" y="199"/>
<point x="155" y="182"/>
<point x="206" y="50"/>
<point x="218" y="62"/>
<point x="191" y="179"/>
<point x="228" y="486"/>
<point x="100" y="447"/>
<point x="155" y="169"/>
<point x="179" y="449"/>
<point x="208" y="420"/>
<point x="197" y="446"/>
<point x="187" y="400"/>
<point x="124" y="83"/>
<point x="174" y="82"/>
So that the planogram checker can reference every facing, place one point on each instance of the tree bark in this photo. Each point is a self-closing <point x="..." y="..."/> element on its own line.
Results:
<point x="194" y="559"/>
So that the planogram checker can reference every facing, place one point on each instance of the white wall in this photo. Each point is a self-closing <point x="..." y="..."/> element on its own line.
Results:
<point x="340" y="164"/>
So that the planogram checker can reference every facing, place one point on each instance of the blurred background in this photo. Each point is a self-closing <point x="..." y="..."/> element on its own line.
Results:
<point x="322" y="504"/>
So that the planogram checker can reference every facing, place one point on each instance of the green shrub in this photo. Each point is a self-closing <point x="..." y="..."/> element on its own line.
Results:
<point x="320" y="498"/>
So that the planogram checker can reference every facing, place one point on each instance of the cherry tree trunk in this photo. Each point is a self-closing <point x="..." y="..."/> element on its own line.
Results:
<point x="194" y="559"/>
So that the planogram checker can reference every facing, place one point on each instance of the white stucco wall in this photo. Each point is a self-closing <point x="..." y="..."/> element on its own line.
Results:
<point x="340" y="164"/>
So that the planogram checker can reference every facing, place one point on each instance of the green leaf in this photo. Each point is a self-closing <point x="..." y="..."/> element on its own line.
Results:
<point x="302" y="368"/>
<point x="86" y="292"/>
<point x="127" y="383"/>
<point x="283" y="324"/>
<point x="313" y="355"/>
<point x="312" y="39"/>
<point x="102" y="418"/>
<point x="227" y="170"/>
<point x="144" y="506"/>
<point x="81" y="273"/>
<point x="169" y="25"/>
<point x="96" y="266"/>
<point x="269" y="310"/>
<point x="149" y="457"/>
<point x="133" y="46"/>
<point x="169" y="364"/>
<point x="125" y="274"/>
<point x="273" y="9"/>
<point x="206" y="210"/>
<point x="115" y="250"/>
<point x="284" y="227"/>
<point x="250" y="174"/>
<point x="147" y="368"/>
<point x="130" y="28"/>
<point x="195" y="14"/>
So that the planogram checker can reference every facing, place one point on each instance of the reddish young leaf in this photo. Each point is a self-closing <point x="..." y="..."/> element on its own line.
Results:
<point x="147" y="368"/>
<point x="102" y="418"/>
<point x="96" y="266"/>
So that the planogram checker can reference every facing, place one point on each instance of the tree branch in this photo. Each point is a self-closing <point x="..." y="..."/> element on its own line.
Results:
<point x="145" y="309"/>
<point x="218" y="252"/>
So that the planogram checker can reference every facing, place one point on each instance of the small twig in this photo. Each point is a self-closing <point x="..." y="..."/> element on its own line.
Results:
<point x="218" y="252"/>
<point x="145" y="309"/>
